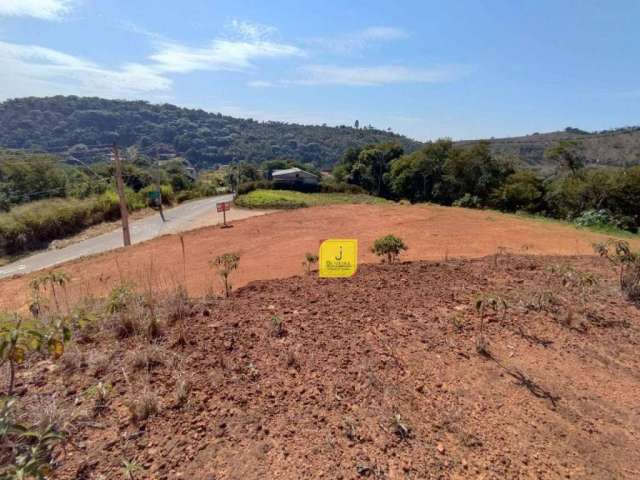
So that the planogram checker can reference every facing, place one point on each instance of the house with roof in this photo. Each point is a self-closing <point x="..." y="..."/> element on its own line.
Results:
<point x="294" y="176"/>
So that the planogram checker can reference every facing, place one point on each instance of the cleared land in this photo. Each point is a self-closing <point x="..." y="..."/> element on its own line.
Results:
<point x="372" y="377"/>
<point x="273" y="246"/>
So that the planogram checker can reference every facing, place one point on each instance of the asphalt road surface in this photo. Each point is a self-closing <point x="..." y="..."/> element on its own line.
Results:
<point x="194" y="214"/>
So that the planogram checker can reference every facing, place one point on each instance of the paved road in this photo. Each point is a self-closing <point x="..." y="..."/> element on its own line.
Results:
<point x="183" y="217"/>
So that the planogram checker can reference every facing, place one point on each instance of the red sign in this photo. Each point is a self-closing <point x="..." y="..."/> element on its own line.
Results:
<point x="223" y="206"/>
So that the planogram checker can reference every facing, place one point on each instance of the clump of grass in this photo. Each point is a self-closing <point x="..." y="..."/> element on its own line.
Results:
<point x="619" y="253"/>
<point x="400" y="427"/>
<point x="182" y="390"/>
<point x="484" y="302"/>
<point x="350" y="429"/>
<point x="177" y="306"/>
<point x="500" y="252"/>
<point x="152" y="328"/>
<point x="310" y="259"/>
<point x="98" y="363"/>
<point x="457" y="321"/>
<point x="278" y="326"/>
<point x="123" y="307"/>
<point x="143" y="406"/>
<point x="100" y="394"/>
<point x="73" y="360"/>
<point x="148" y="357"/>
<point x="129" y="469"/>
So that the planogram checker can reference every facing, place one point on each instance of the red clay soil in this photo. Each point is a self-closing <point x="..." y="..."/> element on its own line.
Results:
<point x="273" y="246"/>
<point x="378" y="376"/>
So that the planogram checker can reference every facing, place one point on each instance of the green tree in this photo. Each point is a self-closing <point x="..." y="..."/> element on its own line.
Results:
<point x="568" y="153"/>
<point x="418" y="175"/>
<point x="522" y="190"/>
<point x="473" y="172"/>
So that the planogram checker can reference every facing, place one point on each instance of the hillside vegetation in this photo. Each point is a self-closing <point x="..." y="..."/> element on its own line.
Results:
<point x="88" y="126"/>
<point x="473" y="176"/>
<point x="205" y="139"/>
<point x="617" y="147"/>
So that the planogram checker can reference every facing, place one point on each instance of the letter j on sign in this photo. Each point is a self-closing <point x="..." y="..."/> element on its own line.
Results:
<point x="338" y="258"/>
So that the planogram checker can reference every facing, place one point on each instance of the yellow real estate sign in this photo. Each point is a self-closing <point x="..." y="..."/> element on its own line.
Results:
<point x="338" y="258"/>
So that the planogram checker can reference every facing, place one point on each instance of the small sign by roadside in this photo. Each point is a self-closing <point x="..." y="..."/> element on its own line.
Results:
<point x="224" y="207"/>
<point x="338" y="258"/>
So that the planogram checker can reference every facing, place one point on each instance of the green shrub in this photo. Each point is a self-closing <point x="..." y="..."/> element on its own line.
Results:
<point x="247" y="187"/>
<point x="166" y="193"/>
<point x="468" y="201"/>
<point x="33" y="225"/>
<point x="26" y="449"/>
<point x="603" y="219"/>
<point x="333" y="186"/>
<point x="389" y="246"/>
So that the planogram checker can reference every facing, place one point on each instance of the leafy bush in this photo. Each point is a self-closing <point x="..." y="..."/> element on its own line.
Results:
<point x="247" y="187"/>
<point x="25" y="449"/>
<point x="33" y="225"/>
<point x="330" y="185"/>
<point x="468" y="201"/>
<point x="19" y="338"/>
<point x="389" y="246"/>
<point x="596" y="218"/>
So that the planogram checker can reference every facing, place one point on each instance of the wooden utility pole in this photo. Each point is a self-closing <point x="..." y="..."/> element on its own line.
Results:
<point x="156" y="175"/>
<point x="124" y="213"/>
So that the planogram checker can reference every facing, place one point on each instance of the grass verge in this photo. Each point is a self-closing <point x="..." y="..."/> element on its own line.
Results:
<point x="286" y="199"/>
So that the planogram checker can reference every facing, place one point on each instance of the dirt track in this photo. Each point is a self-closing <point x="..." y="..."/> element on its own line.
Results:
<point x="273" y="246"/>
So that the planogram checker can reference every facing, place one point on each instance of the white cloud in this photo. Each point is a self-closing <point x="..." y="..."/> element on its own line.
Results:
<point x="253" y="31"/>
<point x="219" y="55"/>
<point x="352" y="42"/>
<point x="260" y="84"/>
<point x="43" y="9"/>
<point x="34" y="70"/>
<point x="378" y="75"/>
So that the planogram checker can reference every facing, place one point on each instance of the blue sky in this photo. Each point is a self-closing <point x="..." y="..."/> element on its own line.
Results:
<point x="426" y="69"/>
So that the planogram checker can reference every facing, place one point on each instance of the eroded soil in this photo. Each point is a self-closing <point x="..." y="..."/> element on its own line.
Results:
<point x="377" y="377"/>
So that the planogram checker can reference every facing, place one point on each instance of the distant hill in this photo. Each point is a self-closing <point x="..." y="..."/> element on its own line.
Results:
<point x="88" y="126"/>
<point x="618" y="147"/>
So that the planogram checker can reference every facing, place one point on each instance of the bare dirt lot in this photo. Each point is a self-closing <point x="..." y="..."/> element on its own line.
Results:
<point x="273" y="246"/>
<point x="377" y="376"/>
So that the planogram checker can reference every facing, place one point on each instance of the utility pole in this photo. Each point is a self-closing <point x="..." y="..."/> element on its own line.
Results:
<point x="124" y="213"/>
<point x="156" y="174"/>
